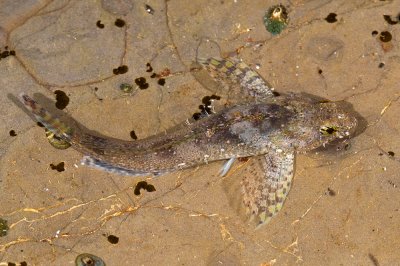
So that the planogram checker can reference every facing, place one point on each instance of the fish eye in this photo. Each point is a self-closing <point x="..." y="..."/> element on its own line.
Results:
<point x="327" y="130"/>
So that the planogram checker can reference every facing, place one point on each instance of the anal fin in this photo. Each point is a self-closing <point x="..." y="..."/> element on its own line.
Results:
<point x="105" y="166"/>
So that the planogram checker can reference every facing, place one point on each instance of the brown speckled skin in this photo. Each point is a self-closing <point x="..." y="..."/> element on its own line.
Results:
<point x="240" y="131"/>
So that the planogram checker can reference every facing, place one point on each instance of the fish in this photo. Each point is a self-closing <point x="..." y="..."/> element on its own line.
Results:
<point x="266" y="127"/>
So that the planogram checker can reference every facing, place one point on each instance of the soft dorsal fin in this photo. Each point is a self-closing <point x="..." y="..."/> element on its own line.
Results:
<point x="244" y="83"/>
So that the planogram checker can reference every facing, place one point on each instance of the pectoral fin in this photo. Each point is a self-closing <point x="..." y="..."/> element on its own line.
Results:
<point x="266" y="184"/>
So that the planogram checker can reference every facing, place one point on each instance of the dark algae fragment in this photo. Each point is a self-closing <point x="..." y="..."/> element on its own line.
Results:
<point x="276" y="19"/>
<point x="87" y="259"/>
<point x="149" y="68"/>
<point x="143" y="185"/>
<point x="99" y="24"/>
<point x="3" y="227"/>
<point x="389" y="20"/>
<point x="385" y="36"/>
<point x="59" y="167"/>
<point x="161" y="81"/>
<point x="62" y="100"/>
<point x="6" y="53"/>
<point x="206" y="107"/>
<point x="12" y="133"/>
<point x="133" y="134"/>
<point x="120" y="70"/>
<point x="331" y="18"/>
<point x="119" y="23"/>
<point x="113" y="239"/>
<point x="141" y="82"/>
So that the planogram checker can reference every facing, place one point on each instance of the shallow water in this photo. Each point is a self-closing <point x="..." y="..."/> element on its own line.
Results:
<point x="343" y="206"/>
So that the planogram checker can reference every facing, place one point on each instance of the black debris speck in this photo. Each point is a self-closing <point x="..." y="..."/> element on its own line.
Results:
<point x="374" y="33"/>
<point x="121" y="70"/>
<point x="119" y="23"/>
<point x="319" y="71"/>
<point x="149" y="68"/>
<point x="206" y="107"/>
<point x="149" y="9"/>
<point x="62" y="100"/>
<point x="12" y="133"/>
<point x="385" y="36"/>
<point x="331" y="192"/>
<point x="59" y="167"/>
<point x="389" y="20"/>
<point x="381" y="65"/>
<point x="133" y="134"/>
<point x="4" y="54"/>
<point x="143" y="185"/>
<point x="374" y="260"/>
<point x="23" y="263"/>
<point x="161" y="81"/>
<point x="141" y="82"/>
<point x="11" y="264"/>
<point x="99" y="24"/>
<point x="39" y="124"/>
<point x="331" y="18"/>
<point x="391" y="153"/>
<point x="196" y="116"/>
<point x="113" y="239"/>
<point x="153" y="75"/>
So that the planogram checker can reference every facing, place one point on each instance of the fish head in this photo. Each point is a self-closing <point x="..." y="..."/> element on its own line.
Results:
<point x="319" y="122"/>
<point x="333" y="122"/>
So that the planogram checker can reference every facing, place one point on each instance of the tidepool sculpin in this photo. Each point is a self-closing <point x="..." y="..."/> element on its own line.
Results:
<point x="267" y="127"/>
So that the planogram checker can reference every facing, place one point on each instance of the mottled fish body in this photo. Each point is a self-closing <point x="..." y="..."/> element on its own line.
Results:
<point x="268" y="128"/>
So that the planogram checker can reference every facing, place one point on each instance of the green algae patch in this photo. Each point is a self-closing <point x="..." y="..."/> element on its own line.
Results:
<point x="276" y="19"/>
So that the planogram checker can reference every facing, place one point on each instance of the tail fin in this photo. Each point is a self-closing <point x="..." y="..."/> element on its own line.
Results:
<point x="50" y="122"/>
